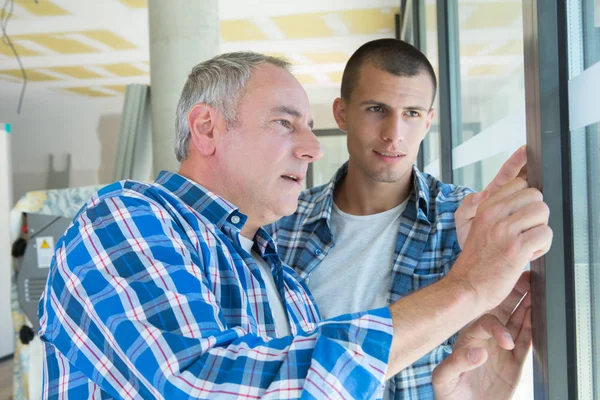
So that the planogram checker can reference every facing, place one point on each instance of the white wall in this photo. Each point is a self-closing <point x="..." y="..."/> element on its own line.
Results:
<point x="6" y="326"/>
<point x="53" y="122"/>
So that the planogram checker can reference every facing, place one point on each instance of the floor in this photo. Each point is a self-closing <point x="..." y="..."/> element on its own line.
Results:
<point x="6" y="376"/>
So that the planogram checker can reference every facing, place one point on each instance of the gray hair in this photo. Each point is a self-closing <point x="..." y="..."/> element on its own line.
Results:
<point x="220" y="83"/>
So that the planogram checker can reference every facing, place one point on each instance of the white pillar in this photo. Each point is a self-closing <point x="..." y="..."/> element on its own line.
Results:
<point x="6" y="328"/>
<point x="183" y="33"/>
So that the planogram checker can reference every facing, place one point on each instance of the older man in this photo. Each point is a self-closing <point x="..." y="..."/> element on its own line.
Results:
<point x="173" y="289"/>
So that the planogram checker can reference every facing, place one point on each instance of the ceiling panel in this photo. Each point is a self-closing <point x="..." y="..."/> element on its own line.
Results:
<point x="32" y="75"/>
<point x="328" y="57"/>
<point x="86" y="91"/>
<point x="492" y="15"/>
<point x="58" y="43"/>
<point x="369" y="21"/>
<point x="304" y="26"/>
<point x="240" y="30"/>
<point x="117" y="88"/>
<point x="305" y="79"/>
<point x="43" y="8"/>
<point x="76" y="72"/>
<point x="123" y="69"/>
<point x="94" y="49"/>
<point x="136" y="3"/>
<point x="511" y="47"/>
<point x="335" y="77"/>
<point x="110" y="39"/>
<point x="22" y="51"/>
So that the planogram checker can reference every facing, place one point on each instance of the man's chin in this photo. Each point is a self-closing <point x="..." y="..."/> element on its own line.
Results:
<point x="288" y="208"/>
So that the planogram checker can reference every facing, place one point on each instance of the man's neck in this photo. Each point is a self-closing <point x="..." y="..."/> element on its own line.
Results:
<point x="200" y="176"/>
<point x="358" y="194"/>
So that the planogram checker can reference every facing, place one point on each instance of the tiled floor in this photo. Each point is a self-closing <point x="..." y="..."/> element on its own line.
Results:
<point x="6" y="375"/>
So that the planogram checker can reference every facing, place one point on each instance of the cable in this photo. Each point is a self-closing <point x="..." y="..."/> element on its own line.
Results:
<point x="4" y="18"/>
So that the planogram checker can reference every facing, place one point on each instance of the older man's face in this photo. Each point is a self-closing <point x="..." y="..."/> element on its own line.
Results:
<point x="266" y="155"/>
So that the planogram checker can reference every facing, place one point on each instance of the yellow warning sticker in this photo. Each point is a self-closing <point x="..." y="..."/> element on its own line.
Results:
<point x="45" y="250"/>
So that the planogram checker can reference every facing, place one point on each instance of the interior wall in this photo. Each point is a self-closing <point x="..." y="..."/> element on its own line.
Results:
<point x="59" y="123"/>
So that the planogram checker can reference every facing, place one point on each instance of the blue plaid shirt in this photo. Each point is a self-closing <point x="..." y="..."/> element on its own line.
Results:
<point x="150" y="295"/>
<point x="426" y="248"/>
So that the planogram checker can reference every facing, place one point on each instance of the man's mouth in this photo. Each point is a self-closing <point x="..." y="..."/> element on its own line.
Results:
<point x="389" y="154"/>
<point x="294" y="178"/>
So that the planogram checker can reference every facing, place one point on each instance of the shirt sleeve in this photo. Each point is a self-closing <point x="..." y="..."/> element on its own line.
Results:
<point x="129" y="305"/>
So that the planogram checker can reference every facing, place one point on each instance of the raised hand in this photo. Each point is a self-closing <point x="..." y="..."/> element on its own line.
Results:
<point x="514" y="167"/>
<point x="486" y="363"/>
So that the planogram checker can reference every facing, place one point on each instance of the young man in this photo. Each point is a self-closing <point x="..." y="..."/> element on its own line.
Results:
<point x="380" y="229"/>
<point x="173" y="290"/>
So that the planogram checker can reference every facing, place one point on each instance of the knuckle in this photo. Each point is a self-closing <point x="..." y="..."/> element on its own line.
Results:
<point x="521" y="183"/>
<point x="490" y="213"/>
<point x="534" y="194"/>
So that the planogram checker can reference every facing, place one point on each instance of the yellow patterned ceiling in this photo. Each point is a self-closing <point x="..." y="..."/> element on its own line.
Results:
<point x="95" y="49"/>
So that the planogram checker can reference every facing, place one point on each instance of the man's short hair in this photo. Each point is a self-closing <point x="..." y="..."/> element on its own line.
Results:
<point x="219" y="82"/>
<point x="390" y="55"/>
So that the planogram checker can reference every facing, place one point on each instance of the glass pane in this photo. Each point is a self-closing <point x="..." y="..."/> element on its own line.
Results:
<point x="493" y="102"/>
<point x="492" y="89"/>
<point x="335" y="154"/>
<point x="584" y="58"/>
<point x="431" y="143"/>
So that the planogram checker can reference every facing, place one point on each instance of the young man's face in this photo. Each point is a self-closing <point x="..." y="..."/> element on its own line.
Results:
<point x="266" y="154"/>
<point x="386" y="118"/>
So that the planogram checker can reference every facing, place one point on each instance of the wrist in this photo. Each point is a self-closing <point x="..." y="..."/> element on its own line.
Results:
<point x="462" y="291"/>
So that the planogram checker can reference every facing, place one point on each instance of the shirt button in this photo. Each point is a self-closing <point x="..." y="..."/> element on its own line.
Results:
<point x="318" y="252"/>
<point x="235" y="219"/>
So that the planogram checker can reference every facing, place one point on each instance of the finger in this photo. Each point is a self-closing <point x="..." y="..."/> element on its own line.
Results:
<point x="528" y="216"/>
<point x="537" y="240"/>
<point x="489" y="326"/>
<point x="469" y="205"/>
<point x="460" y="361"/>
<point x="512" y="168"/>
<point x="505" y="193"/>
<point x="499" y="209"/>
<point x="506" y="308"/>
<point x="523" y="341"/>
<point x="515" y="322"/>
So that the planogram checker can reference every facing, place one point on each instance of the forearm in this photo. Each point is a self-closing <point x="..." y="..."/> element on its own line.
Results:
<point x="426" y="318"/>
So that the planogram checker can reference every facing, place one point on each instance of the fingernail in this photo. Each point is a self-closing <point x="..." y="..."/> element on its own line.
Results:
<point x="509" y="338"/>
<point x="475" y="355"/>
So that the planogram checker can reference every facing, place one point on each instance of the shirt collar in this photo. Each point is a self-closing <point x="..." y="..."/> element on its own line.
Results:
<point x="322" y="202"/>
<point x="212" y="206"/>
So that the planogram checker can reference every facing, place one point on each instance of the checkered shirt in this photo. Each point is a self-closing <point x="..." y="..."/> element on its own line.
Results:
<point x="151" y="296"/>
<point x="426" y="248"/>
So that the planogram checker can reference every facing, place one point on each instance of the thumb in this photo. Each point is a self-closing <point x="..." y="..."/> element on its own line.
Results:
<point x="468" y="207"/>
<point x="446" y="375"/>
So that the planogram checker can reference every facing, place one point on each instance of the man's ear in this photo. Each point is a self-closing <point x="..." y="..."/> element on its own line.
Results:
<point x="203" y="121"/>
<point x="339" y="113"/>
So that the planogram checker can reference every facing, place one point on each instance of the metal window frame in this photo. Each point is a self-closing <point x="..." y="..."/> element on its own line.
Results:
<point x="549" y="168"/>
<point x="450" y="111"/>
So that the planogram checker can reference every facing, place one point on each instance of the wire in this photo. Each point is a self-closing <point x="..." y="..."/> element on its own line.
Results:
<point x="4" y="18"/>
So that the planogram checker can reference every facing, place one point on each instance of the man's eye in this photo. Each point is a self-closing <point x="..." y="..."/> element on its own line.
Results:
<point x="284" y="123"/>
<point x="413" y="114"/>
<point x="375" y="109"/>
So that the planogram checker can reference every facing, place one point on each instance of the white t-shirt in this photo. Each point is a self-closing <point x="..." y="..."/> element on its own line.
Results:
<point x="282" y="326"/>
<point x="356" y="274"/>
